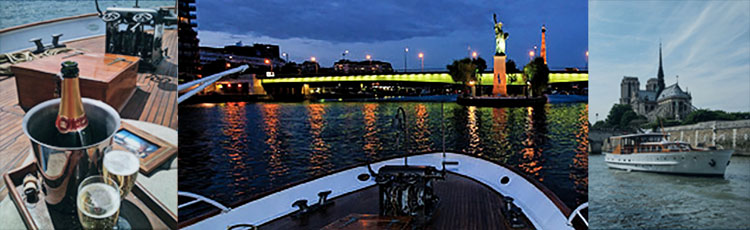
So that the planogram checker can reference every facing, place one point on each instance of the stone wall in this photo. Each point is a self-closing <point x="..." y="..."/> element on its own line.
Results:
<point x="728" y="134"/>
<point x="598" y="140"/>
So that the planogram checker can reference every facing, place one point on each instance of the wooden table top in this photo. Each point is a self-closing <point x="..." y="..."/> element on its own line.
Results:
<point x="92" y="66"/>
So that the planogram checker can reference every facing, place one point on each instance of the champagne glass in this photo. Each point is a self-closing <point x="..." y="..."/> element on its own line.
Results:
<point x="98" y="203"/>
<point x="122" y="167"/>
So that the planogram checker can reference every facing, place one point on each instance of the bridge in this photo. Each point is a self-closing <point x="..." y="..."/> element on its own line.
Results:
<point x="424" y="77"/>
<point x="298" y="84"/>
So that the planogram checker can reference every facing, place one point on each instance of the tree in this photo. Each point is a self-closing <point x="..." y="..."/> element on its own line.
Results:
<point x="462" y="71"/>
<point x="510" y="67"/>
<point x="614" y="118"/>
<point x="480" y="63"/>
<point x="537" y="73"/>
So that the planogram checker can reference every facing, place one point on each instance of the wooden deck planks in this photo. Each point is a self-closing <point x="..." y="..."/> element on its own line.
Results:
<point x="157" y="104"/>
<point x="464" y="204"/>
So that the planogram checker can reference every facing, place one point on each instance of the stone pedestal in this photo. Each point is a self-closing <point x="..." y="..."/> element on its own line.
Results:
<point x="499" y="78"/>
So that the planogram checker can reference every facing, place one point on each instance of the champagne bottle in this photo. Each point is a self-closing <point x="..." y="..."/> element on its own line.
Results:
<point x="72" y="123"/>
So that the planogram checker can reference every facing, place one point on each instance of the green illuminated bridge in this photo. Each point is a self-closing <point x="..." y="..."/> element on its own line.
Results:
<point x="435" y="77"/>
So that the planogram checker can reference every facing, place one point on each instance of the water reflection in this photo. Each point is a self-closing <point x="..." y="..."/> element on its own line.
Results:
<point x="277" y="167"/>
<point x="235" y="121"/>
<point x="536" y="131"/>
<point x="421" y="132"/>
<point x="319" y="155"/>
<point x="472" y="126"/>
<point x="372" y="142"/>
<point x="579" y="173"/>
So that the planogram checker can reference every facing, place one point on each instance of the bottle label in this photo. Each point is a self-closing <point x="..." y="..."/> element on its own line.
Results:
<point x="66" y="125"/>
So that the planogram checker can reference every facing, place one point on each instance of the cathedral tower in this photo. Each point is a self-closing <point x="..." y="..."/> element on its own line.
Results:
<point x="660" y="75"/>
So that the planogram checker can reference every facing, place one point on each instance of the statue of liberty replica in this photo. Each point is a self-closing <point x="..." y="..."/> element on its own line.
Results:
<point x="499" y="77"/>
<point x="500" y="37"/>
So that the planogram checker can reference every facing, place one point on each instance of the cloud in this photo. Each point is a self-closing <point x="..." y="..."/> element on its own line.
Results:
<point x="442" y="29"/>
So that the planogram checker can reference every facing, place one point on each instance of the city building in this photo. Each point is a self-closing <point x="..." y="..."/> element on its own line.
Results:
<point x="187" y="41"/>
<point x="258" y="56"/>
<point x="347" y="66"/>
<point x="657" y="101"/>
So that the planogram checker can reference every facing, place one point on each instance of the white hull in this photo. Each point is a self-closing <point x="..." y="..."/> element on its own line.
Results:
<point x="697" y="162"/>
<point x="538" y="207"/>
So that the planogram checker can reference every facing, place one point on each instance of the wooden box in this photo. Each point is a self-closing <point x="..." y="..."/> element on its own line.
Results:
<point x="101" y="78"/>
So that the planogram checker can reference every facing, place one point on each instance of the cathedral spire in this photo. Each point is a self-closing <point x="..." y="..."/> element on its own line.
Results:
<point x="660" y="74"/>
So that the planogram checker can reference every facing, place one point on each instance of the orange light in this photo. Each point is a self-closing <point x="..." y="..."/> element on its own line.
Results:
<point x="368" y="57"/>
<point x="531" y="53"/>
<point x="228" y="65"/>
<point x="587" y="53"/>
<point x="267" y="61"/>
<point x="312" y="59"/>
<point x="421" y="55"/>
<point x="474" y="54"/>
<point x="239" y="85"/>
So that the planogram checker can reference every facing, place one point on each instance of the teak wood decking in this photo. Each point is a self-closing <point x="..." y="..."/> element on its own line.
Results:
<point x="155" y="101"/>
<point x="464" y="204"/>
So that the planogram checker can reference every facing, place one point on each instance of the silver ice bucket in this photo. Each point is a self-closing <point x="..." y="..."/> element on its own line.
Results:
<point x="63" y="168"/>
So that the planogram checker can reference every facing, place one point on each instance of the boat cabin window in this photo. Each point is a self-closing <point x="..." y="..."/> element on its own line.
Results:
<point x="685" y="147"/>
<point x="673" y="147"/>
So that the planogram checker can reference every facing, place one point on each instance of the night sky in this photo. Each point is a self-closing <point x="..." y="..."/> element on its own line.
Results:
<point x="706" y="43"/>
<point x="442" y="30"/>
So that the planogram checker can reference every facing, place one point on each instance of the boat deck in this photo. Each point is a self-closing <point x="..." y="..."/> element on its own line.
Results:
<point x="464" y="204"/>
<point x="155" y="101"/>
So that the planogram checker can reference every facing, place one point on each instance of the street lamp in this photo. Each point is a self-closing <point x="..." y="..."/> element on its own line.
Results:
<point x="268" y="62"/>
<point x="315" y="63"/>
<point x="587" y="59"/>
<point x="531" y="55"/>
<point x="343" y="55"/>
<point x="474" y="55"/>
<point x="421" y="57"/>
<point x="286" y="55"/>
<point x="406" y="51"/>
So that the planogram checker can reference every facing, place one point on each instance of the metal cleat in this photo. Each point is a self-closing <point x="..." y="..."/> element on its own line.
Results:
<point x="515" y="217"/>
<point x="39" y="45"/>
<point x="323" y="197"/>
<point x="56" y="41"/>
<point x="303" y="208"/>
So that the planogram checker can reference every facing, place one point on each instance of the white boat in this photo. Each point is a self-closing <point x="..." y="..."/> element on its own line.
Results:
<point x="653" y="152"/>
<point x="476" y="183"/>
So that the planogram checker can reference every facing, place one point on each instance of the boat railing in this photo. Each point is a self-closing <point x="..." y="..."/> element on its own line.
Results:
<point x="198" y="198"/>
<point x="200" y="84"/>
<point x="577" y="213"/>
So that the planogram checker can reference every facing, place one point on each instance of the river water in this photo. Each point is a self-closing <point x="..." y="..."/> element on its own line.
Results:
<point x="235" y="151"/>
<point x="628" y="200"/>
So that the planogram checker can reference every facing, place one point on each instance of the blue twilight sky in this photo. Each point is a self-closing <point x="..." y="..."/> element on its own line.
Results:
<point x="705" y="43"/>
<point x="443" y="30"/>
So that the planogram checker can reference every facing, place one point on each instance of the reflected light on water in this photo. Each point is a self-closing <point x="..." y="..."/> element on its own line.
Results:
<point x="372" y="143"/>
<point x="234" y="124"/>
<point x="531" y="160"/>
<point x="274" y="151"/>
<point x="473" y="127"/>
<point x="421" y="134"/>
<point x="319" y="158"/>
<point x="579" y="172"/>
